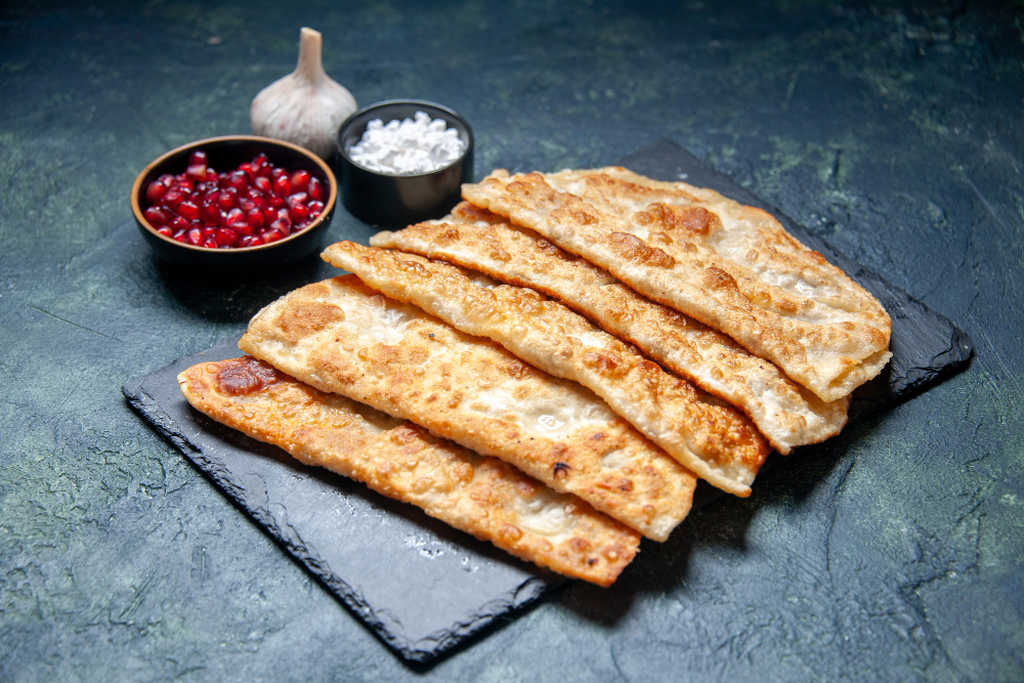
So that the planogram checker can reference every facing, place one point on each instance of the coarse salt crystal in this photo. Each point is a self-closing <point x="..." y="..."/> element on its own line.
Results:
<point x="407" y="147"/>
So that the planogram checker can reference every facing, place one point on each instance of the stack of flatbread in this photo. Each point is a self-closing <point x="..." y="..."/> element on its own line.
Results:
<point x="553" y="365"/>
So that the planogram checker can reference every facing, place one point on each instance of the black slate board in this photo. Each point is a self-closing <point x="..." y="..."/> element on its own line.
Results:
<point x="424" y="588"/>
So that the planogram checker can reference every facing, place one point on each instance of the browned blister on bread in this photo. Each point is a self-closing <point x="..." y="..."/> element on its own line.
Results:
<point x="710" y="438"/>
<point x="787" y="414"/>
<point x="480" y="495"/>
<point x="732" y="267"/>
<point x="342" y="337"/>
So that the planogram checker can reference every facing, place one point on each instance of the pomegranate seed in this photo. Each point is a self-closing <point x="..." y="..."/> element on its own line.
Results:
<point x="254" y="217"/>
<point x="276" y="172"/>
<point x="242" y="228"/>
<point x="263" y="184"/>
<point x="275" y="201"/>
<point x="300" y="181"/>
<point x="315" y="189"/>
<point x="197" y="157"/>
<point x="173" y="197"/>
<point x="282" y="185"/>
<point x="180" y="236"/>
<point x="166" y="232"/>
<point x="283" y="226"/>
<point x="154" y="191"/>
<point x="189" y="210"/>
<point x="247" y="168"/>
<point x="234" y="216"/>
<point x="260" y="161"/>
<point x="155" y="216"/>
<point x="196" y="172"/>
<point x="210" y="242"/>
<point x="228" y="198"/>
<point x="238" y="180"/>
<point x="212" y="176"/>
<point x="269" y="214"/>
<point x="166" y="180"/>
<point x="299" y="213"/>
<point x="283" y="215"/>
<point x="226" y="237"/>
<point x="178" y="223"/>
<point x="246" y="204"/>
<point x="250" y="241"/>
<point x="315" y="207"/>
<point x="210" y="212"/>
<point x="272" y="235"/>
<point x="185" y="185"/>
<point x="297" y="198"/>
<point x="194" y="236"/>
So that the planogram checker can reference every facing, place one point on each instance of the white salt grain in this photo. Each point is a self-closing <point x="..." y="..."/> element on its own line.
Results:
<point x="407" y="147"/>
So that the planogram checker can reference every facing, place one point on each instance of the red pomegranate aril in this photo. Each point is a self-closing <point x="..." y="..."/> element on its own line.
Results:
<point x="196" y="172"/>
<point x="228" y="198"/>
<point x="165" y="231"/>
<point x="263" y="184"/>
<point x="173" y="197"/>
<point x="155" y="216"/>
<point x="300" y="180"/>
<point x="284" y="225"/>
<point x="210" y="212"/>
<point x="269" y="214"/>
<point x="185" y="185"/>
<point x="272" y="235"/>
<point x="226" y="237"/>
<point x="210" y="242"/>
<point x="197" y="157"/>
<point x="154" y="191"/>
<point x="277" y="172"/>
<point x="180" y="236"/>
<point x="246" y="204"/>
<point x="178" y="223"/>
<point x="247" y="168"/>
<point x="275" y="201"/>
<point x="299" y="213"/>
<point x="242" y="228"/>
<point x="254" y="217"/>
<point x="234" y="216"/>
<point x="194" y="236"/>
<point x="166" y="180"/>
<point x="315" y="189"/>
<point x="260" y="161"/>
<point x="188" y="209"/>
<point x="282" y="186"/>
<point x="297" y="198"/>
<point x="315" y="206"/>
<point x="238" y="180"/>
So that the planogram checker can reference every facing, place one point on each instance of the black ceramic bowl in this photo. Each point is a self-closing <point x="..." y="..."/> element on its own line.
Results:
<point x="398" y="200"/>
<point x="226" y="153"/>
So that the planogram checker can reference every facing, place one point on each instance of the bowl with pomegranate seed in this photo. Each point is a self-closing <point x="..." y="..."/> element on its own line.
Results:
<point x="239" y="200"/>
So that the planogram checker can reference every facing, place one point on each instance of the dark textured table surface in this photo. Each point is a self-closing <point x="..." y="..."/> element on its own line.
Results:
<point x="891" y="130"/>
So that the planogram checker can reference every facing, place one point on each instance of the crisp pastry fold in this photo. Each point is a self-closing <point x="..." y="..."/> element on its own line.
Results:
<point x="710" y="438"/>
<point x="733" y="267"/>
<point x="342" y="337"/>
<point x="788" y="414"/>
<point x="480" y="495"/>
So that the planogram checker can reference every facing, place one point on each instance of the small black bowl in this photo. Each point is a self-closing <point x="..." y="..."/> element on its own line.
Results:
<point x="226" y="153"/>
<point x="397" y="200"/>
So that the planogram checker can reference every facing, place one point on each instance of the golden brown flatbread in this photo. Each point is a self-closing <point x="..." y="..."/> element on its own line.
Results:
<point x="480" y="495"/>
<point x="341" y="337"/>
<point x="786" y="413"/>
<point x="710" y="438"/>
<point x="732" y="267"/>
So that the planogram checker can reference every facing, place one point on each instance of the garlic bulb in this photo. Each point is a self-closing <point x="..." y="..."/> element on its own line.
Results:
<point x="305" y="107"/>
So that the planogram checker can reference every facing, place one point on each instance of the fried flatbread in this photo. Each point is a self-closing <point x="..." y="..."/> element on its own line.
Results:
<point x="342" y="337"/>
<point x="480" y="495"/>
<point x="710" y="438"/>
<point x="732" y="267"/>
<point x="786" y="413"/>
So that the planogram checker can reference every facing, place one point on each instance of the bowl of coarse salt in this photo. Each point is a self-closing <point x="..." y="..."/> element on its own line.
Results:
<point x="403" y="161"/>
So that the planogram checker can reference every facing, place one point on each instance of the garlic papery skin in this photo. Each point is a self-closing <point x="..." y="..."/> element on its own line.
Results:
<point x="306" y="107"/>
